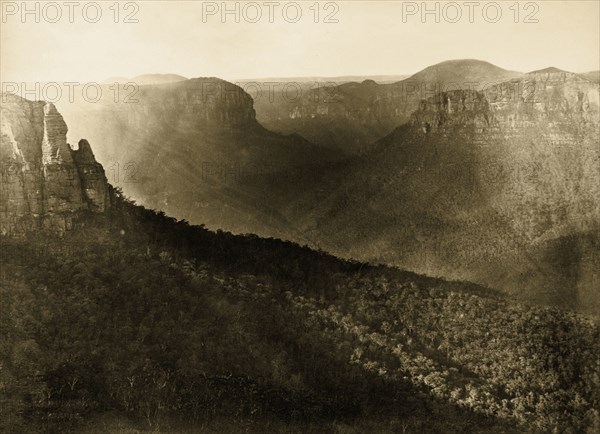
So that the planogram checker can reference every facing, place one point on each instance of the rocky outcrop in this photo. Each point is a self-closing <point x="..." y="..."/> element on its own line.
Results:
<point x="45" y="183"/>
<point x="92" y="178"/>
<point x="498" y="186"/>
<point x="460" y="108"/>
<point x="187" y="148"/>
<point x="555" y="97"/>
<point x="531" y="145"/>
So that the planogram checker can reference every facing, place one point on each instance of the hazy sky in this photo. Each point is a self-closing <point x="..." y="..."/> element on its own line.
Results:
<point x="369" y="38"/>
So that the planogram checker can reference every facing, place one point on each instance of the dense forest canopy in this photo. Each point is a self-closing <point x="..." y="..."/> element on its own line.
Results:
<point x="168" y="326"/>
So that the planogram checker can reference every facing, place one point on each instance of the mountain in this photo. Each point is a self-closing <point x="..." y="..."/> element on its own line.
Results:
<point x="186" y="148"/>
<point x="463" y="72"/>
<point x="592" y="76"/>
<point x="147" y="79"/>
<point x="130" y="320"/>
<point x="351" y="116"/>
<point x="497" y="187"/>
<point x="313" y="80"/>
<point x="45" y="182"/>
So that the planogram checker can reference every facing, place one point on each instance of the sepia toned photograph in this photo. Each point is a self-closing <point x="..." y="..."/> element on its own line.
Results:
<point x="300" y="217"/>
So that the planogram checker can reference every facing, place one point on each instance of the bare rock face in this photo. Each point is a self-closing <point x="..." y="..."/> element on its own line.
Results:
<point x="45" y="183"/>
<point x="531" y="144"/>
<point x="457" y="108"/>
<point x="92" y="178"/>
<point x="351" y="116"/>
<point x="187" y="148"/>
<point x="497" y="186"/>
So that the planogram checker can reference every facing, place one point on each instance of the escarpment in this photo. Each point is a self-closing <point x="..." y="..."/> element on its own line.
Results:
<point x="530" y="144"/>
<point x="351" y="116"/>
<point x="45" y="182"/>
<point x="498" y="186"/>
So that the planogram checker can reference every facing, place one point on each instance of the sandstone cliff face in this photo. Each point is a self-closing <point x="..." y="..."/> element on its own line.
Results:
<point x="561" y="98"/>
<point x="529" y="149"/>
<point x="499" y="187"/>
<point x="92" y="178"/>
<point x="530" y="145"/>
<point x="351" y="116"/>
<point x="205" y="117"/>
<point x="187" y="147"/>
<point x="45" y="183"/>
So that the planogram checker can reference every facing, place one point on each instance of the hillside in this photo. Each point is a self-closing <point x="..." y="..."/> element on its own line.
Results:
<point x="186" y="148"/>
<point x="462" y="71"/>
<point x="184" y="327"/>
<point x="126" y="320"/>
<point x="592" y="76"/>
<point x="499" y="188"/>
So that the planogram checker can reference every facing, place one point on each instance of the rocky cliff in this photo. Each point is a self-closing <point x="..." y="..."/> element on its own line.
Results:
<point x="186" y="148"/>
<point x="498" y="186"/>
<point x="45" y="182"/>
<point x="352" y="116"/>
<point x="530" y="146"/>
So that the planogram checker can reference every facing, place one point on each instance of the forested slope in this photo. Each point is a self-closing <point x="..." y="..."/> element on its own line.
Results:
<point x="136" y="317"/>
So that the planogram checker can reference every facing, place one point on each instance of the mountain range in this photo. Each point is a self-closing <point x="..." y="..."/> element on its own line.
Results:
<point x="500" y="189"/>
<point x="351" y="116"/>
<point x="464" y="170"/>
<point x="147" y="79"/>
<point x="184" y="147"/>
<point x="119" y="318"/>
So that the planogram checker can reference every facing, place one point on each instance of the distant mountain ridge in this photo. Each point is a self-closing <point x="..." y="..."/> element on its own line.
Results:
<point x="351" y="116"/>
<point x="495" y="185"/>
<point x="380" y="78"/>
<point x="592" y="76"/>
<point x="147" y="79"/>
<point x="463" y="72"/>
<point x="185" y="148"/>
<point x="498" y="187"/>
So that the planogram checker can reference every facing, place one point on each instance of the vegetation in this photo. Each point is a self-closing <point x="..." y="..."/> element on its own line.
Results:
<point x="178" y="329"/>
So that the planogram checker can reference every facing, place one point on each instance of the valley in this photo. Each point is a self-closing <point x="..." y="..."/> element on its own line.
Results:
<point x="183" y="268"/>
<point x="464" y="170"/>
